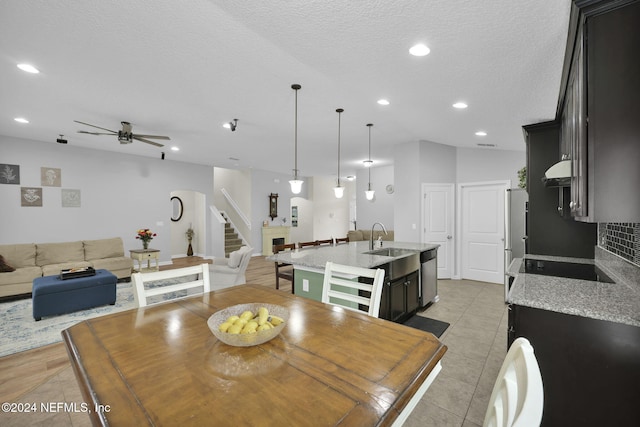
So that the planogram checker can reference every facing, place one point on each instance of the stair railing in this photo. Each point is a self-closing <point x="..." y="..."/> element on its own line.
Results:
<point x="236" y="208"/>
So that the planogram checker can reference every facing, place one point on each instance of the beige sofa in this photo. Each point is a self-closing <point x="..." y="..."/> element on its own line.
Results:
<point x="32" y="260"/>
<point x="357" y="235"/>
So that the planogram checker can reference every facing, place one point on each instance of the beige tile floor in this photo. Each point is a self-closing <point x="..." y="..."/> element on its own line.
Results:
<point x="459" y="396"/>
<point x="477" y="345"/>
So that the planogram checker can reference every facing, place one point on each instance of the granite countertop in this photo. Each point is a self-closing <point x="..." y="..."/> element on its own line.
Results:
<point x="352" y="253"/>
<point x="616" y="302"/>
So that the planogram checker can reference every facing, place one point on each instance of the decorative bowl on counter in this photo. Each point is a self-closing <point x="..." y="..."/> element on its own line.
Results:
<point x="247" y="339"/>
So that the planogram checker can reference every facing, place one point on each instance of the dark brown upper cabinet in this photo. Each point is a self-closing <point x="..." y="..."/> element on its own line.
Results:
<point x="599" y="111"/>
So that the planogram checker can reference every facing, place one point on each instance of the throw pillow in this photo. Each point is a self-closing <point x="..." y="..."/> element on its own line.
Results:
<point x="4" y="267"/>
<point x="234" y="258"/>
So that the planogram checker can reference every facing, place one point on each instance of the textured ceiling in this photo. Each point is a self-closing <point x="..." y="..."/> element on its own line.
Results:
<point x="182" y="69"/>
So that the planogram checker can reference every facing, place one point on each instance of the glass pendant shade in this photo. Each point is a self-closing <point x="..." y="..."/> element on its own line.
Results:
<point x="339" y="191"/>
<point x="296" y="185"/>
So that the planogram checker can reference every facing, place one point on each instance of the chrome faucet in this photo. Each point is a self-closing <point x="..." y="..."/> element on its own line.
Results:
<point x="372" y="227"/>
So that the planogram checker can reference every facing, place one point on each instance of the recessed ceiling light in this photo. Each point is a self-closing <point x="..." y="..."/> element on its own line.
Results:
<point x="460" y="105"/>
<point x="226" y="125"/>
<point x="350" y="177"/>
<point x="21" y="120"/>
<point x="383" y="102"/>
<point x="480" y="144"/>
<point x="368" y="163"/>
<point x="481" y="133"/>
<point x="174" y="148"/>
<point x="419" y="50"/>
<point x="28" y="68"/>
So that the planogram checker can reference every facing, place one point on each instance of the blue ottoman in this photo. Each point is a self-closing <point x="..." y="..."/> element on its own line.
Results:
<point x="52" y="296"/>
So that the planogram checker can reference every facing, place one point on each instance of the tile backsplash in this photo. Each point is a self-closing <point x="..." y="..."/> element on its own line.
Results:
<point x="621" y="238"/>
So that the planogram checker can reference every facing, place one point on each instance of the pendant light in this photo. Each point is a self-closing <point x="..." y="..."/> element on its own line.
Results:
<point x="296" y="183"/>
<point x="339" y="190"/>
<point x="369" y="193"/>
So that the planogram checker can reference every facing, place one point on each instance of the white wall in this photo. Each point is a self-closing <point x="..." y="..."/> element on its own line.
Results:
<point x="120" y="194"/>
<point x="330" y="215"/>
<point x="238" y="184"/>
<point x="304" y="231"/>
<point x="381" y="208"/>
<point x="264" y="183"/>
<point x="475" y="164"/>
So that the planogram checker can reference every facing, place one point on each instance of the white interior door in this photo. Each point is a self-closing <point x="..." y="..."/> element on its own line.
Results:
<point x="482" y="231"/>
<point x="437" y="223"/>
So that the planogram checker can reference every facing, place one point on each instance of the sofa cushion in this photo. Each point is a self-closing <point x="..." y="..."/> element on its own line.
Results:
<point x="21" y="275"/>
<point x="114" y="264"/>
<point x="4" y="267"/>
<point x="55" y="269"/>
<point x="56" y="253"/>
<point x="19" y="255"/>
<point x="103" y="248"/>
<point x="235" y="257"/>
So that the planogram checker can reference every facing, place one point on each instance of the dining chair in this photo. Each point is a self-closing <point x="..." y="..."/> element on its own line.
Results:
<point x="342" y="240"/>
<point x="184" y="279"/>
<point x="284" y="270"/>
<point x="305" y="244"/>
<point x="342" y="287"/>
<point x="517" y="399"/>
<point x="324" y="242"/>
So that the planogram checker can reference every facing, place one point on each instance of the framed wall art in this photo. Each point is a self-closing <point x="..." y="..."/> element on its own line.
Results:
<point x="9" y="174"/>
<point x="31" y="196"/>
<point x="70" y="198"/>
<point x="50" y="177"/>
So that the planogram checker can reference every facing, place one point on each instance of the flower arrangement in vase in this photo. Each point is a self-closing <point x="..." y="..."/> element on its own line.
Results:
<point x="146" y="236"/>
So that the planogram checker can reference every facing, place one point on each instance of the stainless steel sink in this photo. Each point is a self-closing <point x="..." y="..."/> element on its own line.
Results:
<point x="394" y="252"/>
<point x="408" y="262"/>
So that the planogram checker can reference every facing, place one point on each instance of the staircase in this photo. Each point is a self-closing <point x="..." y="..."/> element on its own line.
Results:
<point x="231" y="240"/>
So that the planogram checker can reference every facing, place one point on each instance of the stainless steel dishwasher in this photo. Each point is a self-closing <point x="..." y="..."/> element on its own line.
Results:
<point x="428" y="277"/>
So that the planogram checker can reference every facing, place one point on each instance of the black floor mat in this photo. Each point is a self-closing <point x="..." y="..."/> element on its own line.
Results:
<point x="436" y="327"/>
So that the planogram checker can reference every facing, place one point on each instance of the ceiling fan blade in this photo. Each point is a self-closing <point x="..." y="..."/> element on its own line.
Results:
<point x="95" y="133"/>
<point x="152" y="136"/>
<point x="147" y="141"/>
<point x="93" y="126"/>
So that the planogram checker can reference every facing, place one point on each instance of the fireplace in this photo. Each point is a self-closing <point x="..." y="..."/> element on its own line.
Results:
<point x="277" y="235"/>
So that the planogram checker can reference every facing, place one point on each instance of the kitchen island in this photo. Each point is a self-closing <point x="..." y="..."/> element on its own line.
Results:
<point x="586" y="337"/>
<point x="402" y="293"/>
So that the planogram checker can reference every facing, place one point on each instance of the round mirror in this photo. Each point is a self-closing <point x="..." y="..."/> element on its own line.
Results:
<point x="176" y="204"/>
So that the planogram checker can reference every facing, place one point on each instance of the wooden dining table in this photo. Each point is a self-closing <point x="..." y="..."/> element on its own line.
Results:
<point x="161" y="365"/>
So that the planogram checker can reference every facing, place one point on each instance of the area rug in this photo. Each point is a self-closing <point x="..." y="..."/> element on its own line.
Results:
<point x="20" y="332"/>
<point x="436" y="327"/>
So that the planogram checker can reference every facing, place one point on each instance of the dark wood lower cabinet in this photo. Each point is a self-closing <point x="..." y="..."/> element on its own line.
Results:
<point x="590" y="368"/>
<point x="400" y="298"/>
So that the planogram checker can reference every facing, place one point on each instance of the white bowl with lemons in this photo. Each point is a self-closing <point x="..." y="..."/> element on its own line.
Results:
<point x="245" y="325"/>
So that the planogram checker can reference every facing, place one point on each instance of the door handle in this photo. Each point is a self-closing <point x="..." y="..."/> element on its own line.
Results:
<point x="448" y="237"/>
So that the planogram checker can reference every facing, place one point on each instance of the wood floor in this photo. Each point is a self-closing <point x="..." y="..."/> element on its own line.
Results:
<point x="23" y="372"/>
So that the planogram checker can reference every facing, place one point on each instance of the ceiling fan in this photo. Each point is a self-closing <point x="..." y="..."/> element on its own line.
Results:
<point x="125" y="136"/>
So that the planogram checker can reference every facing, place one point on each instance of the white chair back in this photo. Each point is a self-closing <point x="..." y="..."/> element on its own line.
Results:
<point x="139" y="280"/>
<point x="517" y="399"/>
<point x="339" y="287"/>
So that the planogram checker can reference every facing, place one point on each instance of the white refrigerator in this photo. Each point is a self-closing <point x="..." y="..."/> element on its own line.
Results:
<point x="515" y="234"/>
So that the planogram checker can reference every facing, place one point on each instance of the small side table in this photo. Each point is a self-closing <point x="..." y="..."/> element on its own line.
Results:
<point x="145" y="254"/>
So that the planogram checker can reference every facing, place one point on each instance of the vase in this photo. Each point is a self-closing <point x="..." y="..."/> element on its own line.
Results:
<point x="145" y="245"/>
<point x="190" y="249"/>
